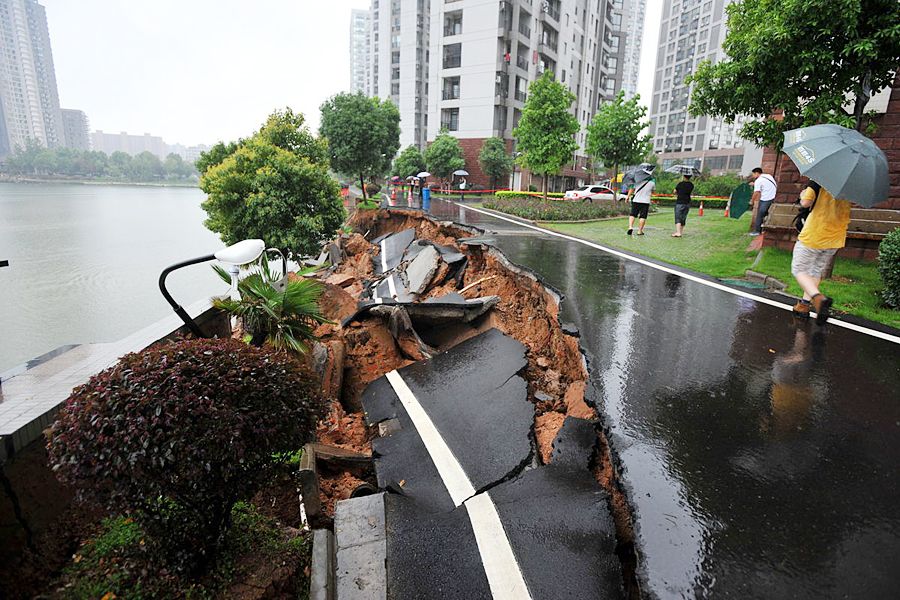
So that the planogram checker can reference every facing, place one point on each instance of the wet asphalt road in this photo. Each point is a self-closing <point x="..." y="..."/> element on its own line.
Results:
<point x="759" y="453"/>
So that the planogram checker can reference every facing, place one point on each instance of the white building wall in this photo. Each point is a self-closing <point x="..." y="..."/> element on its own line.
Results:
<point x="359" y="50"/>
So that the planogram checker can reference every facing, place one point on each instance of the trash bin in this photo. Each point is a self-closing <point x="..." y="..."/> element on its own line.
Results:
<point x="426" y="199"/>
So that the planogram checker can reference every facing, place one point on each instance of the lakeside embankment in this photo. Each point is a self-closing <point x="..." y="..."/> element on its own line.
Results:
<point x="80" y="181"/>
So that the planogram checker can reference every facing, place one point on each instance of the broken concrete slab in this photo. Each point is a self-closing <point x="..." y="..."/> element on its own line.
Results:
<point x="341" y="279"/>
<point x="451" y="298"/>
<point x="434" y="311"/>
<point x="401" y="328"/>
<point x="392" y="249"/>
<point x="392" y="287"/>
<point x="321" y="570"/>
<point x="421" y="270"/>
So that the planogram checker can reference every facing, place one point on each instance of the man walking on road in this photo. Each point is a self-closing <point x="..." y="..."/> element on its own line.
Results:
<point x="640" y="205"/>
<point x="682" y="204"/>
<point x="823" y="234"/>
<point x="764" y="189"/>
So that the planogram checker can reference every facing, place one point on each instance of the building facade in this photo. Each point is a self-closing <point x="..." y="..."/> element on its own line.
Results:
<point x="400" y="31"/>
<point x="76" y="129"/>
<point x="690" y="31"/>
<point x="360" y="47"/>
<point x="129" y="144"/>
<point x="633" y="12"/>
<point x="29" y="100"/>
<point x="484" y="56"/>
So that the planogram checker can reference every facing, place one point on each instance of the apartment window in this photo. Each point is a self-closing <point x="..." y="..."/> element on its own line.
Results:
<point x="395" y="73"/>
<point x="395" y="89"/>
<point x="524" y="23"/>
<point x="450" y="119"/>
<point x="395" y="58"/>
<point x="451" y="88"/>
<point x="612" y="62"/>
<point x="452" y="56"/>
<point x="395" y="41"/>
<point x="501" y="85"/>
<point x="500" y="119"/>
<point x="521" y="86"/>
<point x="453" y="23"/>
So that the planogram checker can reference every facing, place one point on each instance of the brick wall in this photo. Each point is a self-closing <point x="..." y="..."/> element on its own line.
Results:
<point x="887" y="136"/>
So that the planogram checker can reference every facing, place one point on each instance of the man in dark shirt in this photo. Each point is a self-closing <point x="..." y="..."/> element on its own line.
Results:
<point x="682" y="204"/>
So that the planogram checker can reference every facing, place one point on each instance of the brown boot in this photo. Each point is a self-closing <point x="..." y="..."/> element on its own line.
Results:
<point x="801" y="309"/>
<point x="822" y="305"/>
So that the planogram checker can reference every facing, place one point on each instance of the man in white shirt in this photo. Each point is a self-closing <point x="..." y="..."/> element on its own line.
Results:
<point x="640" y="205"/>
<point x="764" y="189"/>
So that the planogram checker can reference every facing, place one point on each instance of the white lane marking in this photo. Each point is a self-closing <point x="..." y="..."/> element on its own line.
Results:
<point x="500" y="565"/>
<point x="458" y="484"/>
<point x="392" y="289"/>
<point x="384" y="256"/>
<point x="852" y="326"/>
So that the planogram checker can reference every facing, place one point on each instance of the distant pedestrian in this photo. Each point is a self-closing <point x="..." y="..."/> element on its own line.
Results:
<point x="764" y="189"/>
<point x="682" y="204"/>
<point x="640" y="205"/>
<point x="823" y="234"/>
<point x="462" y="189"/>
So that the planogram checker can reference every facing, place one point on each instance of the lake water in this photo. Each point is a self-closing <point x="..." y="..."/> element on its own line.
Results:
<point x="85" y="260"/>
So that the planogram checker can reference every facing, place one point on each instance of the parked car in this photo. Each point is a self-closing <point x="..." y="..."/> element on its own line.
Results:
<point x="589" y="193"/>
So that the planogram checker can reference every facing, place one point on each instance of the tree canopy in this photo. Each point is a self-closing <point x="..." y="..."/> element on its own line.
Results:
<point x="614" y="134"/>
<point x="36" y="160"/>
<point x="444" y="156"/>
<point x="363" y="134"/>
<point x="275" y="186"/>
<point x="546" y="132"/>
<point x="409" y="162"/>
<point x="806" y="58"/>
<point x="495" y="161"/>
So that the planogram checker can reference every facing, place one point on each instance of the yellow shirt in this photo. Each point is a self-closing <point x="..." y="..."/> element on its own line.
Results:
<point x="827" y="224"/>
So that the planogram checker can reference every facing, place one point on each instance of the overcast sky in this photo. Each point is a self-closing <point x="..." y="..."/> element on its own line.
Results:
<point x="198" y="71"/>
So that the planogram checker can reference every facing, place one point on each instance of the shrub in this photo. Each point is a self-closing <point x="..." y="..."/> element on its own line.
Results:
<point x="285" y="317"/>
<point x="695" y="201"/>
<point x="372" y="189"/>
<point x="535" y="208"/>
<point x="175" y="435"/>
<point x="513" y="194"/>
<point x="889" y="267"/>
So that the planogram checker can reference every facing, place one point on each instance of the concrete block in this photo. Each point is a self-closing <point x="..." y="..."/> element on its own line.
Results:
<point x="361" y="548"/>
<point x="321" y="576"/>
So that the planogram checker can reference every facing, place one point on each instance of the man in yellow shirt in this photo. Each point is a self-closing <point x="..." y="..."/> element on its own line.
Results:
<point x="824" y="233"/>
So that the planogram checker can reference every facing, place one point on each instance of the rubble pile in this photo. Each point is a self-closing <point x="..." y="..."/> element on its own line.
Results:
<point x="403" y="288"/>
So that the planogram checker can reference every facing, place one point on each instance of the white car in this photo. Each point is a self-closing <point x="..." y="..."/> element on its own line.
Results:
<point x="589" y="193"/>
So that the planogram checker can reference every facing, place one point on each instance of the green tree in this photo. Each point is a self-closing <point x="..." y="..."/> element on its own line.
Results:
<point x="146" y="166"/>
<point x="275" y="186"/>
<point x="546" y="132"/>
<point x="120" y="164"/>
<point x="409" y="162"/>
<point x="444" y="156"/>
<point x="805" y="58"/>
<point x="363" y="134"/>
<point x="614" y="134"/>
<point x="215" y="155"/>
<point x="495" y="161"/>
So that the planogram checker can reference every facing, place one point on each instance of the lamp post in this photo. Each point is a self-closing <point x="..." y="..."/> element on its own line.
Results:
<point x="234" y="256"/>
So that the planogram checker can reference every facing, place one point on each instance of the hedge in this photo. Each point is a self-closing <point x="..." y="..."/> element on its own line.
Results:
<point x="522" y="195"/>
<point x="889" y="267"/>
<point x="537" y="209"/>
<point x="695" y="201"/>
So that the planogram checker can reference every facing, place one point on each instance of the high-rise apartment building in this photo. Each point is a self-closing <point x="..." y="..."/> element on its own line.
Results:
<point x="399" y="55"/>
<point x="633" y="12"/>
<point x="690" y="31"/>
<point x="484" y="55"/>
<point x="29" y="101"/>
<point x="76" y="128"/>
<point x="359" y="51"/>
<point x="129" y="144"/>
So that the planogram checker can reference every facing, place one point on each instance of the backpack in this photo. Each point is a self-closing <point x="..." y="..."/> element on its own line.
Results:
<point x="803" y="212"/>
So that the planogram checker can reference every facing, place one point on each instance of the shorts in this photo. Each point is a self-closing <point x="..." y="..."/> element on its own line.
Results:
<point x="681" y="213"/>
<point x="810" y="261"/>
<point x="640" y="209"/>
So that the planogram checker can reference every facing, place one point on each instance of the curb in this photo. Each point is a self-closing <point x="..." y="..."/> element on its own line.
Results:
<point x="321" y="570"/>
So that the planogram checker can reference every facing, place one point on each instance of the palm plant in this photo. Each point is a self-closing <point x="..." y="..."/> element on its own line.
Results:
<point x="283" y="315"/>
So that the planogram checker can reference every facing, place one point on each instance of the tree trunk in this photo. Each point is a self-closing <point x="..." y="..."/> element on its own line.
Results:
<point x="544" y="185"/>
<point x="362" y="182"/>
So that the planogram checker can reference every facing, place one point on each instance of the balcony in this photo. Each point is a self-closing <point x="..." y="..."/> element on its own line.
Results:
<point x="452" y="62"/>
<point x="521" y="96"/>
<point x="525" y="30"/>
<point x="522" y="63"/>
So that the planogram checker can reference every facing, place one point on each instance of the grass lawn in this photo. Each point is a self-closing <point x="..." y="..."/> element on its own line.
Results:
<point x="717" y="246"/>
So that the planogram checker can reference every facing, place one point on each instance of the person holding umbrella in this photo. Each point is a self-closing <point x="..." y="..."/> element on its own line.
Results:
<point x="845" y="166"/>
<point x="639" y="194"/>
<point x="682" y="195"/>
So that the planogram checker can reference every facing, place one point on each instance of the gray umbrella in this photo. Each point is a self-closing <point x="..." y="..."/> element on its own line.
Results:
<point x="638" y="175"/>
<point x="684" y="170"/>
<point x="843" y="161"/>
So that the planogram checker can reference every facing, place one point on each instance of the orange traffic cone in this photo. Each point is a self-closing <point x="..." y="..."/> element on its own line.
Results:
<point x="727" y="208"/>
<point x="700" y="212"/>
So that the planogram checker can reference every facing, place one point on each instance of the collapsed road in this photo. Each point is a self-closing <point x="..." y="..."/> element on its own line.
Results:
<point x="759" y="453"/>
